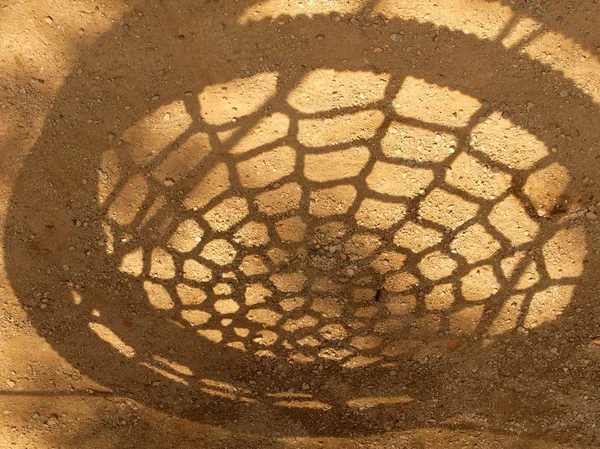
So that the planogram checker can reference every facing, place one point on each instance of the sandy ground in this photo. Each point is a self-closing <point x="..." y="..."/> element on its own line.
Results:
<point x="327" y="224"/>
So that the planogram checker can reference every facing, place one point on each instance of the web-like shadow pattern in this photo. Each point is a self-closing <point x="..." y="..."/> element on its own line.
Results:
<point x="357" y="235"/>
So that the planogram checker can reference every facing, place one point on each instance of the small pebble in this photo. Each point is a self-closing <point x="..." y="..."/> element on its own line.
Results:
<point x="169" y="182"/>
<point x="167" y="117"/>
<point x="396" y="37"/>
<point x="377" y="50"/>
<point x="48" y="19"/>
<point x="554" y="350"/>
<point x="320" y="37"/>
<point x="591" y="216"/>
<point x="52" y="420"/>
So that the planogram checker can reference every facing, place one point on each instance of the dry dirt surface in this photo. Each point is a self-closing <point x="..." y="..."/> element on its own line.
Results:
<point x="300" y="224"/>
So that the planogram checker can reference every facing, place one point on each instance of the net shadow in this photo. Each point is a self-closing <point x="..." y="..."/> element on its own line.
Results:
<point x="337" y="232"/>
